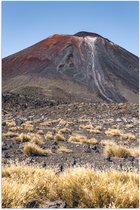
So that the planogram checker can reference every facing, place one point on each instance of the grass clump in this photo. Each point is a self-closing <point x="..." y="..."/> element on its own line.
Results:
<point x="129" y="126"/>
<point x="135" y="121"/>
<point x="36" y="138"/>
<point x="16" y="128"/>
<point x="23" y="137"/>
<point x="49" y="135"/>
<point x="77" y="138"/>
<point x="56" y="121"/>
<point x="46" y="123"/>
<point x="95" y="131"/>
<point x="41" y="132"/>
<point x="55" y="130"/>
<point x="99" y="127"/>
<point x="26" y="186"/>
<point x="114" y="150"/>
<point x="82" y="139"/>
<point x="117" y="132"/>
<point x="129" y="136"/>
<point x="89" y="141"/>
<point x="87" y="127"/>
<point x="115" y="126"/>
<point x="69" y="123"/>
<point x="59" y="137"/>
<point x="62" y="122"/>
<point x="81" y="120"/>
<point x="105" y="142"/>
<point x="36" y="120"/>
<point x="64" y="130"/>
<point x="32" y="149"/>
<point x="113" y="132"/>
<point x="11" y="123"/>
<point x="28" y="126"/>
<point x="9" y="134"/>
<point x="63" y="149"/>
<point x="79" y="187"/>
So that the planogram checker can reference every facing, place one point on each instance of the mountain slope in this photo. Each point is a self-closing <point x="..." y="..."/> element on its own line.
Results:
<point x="81" y="66"/>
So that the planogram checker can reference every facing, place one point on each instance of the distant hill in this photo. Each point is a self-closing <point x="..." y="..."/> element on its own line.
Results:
<point x="83" y="66"/>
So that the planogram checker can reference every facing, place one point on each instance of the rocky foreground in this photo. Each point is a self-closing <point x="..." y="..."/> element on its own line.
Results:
<point x="62" y="155"/>
<point x="83" y="131"/>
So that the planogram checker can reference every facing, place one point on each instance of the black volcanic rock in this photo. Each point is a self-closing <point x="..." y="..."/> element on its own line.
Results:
<point x="84" y="34"/>
<point x="83" y="66"/>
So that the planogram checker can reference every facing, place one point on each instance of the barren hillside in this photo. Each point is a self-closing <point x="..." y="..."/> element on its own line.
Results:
<point x="83" y="66"/>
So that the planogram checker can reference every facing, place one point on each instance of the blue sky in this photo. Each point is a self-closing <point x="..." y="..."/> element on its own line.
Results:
<point x="25" y="23"/>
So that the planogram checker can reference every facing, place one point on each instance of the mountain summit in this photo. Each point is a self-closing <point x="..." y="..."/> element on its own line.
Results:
<point x="83" y="66"/>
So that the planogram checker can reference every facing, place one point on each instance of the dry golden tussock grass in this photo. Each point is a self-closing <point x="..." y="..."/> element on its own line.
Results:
<point x="87" y="127"/>
<point x="46" y="123"/>
<point x="49" y="135"/>
<point x="28" y="122"/>
<point x="95" y="131"/>
<point x="113" y="132"/>
<point x="37" y="139"/>
<point x="106" y="142"/>
<point x="41" y="132"/>
<point x="23" y="186"/>
<point x="32" y="149"/>
<point x="56" y="121"/>
<point x="98" y="127"/>
<point x="11" y="123"/>
<point x="28" y="126"/>
<point x="129" y="126"/>
<point x="9" y="134"/>
<point x="129" y="136"/>
<point x="55" y="130"/>
<point x="36" y="121"/>
<point x="115" y="126"/>
<point x="65" y="123"/>
<point x="117" y="132"/>
<point x="64" y="130"/>
<point x="81" y="120"/>
<point x="114" y="150"/>
<point x="52" y="122"/>
<point x="75" y="138"/>
<point x="69" y="123"/>
<point x="23" y="137"/>
<point x="63" y="149"/>
<point x="135" y="121"/>
<point x="32" y="137"/>
<point x="16" y="128"/>
<point x="89" y="141"/>
<point x="82" y="139"/>
<point x="59" y="137"/>
<point x="62" y="122"/>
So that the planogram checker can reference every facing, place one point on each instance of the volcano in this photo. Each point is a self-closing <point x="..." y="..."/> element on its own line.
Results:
<point x="83" y="66"/>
